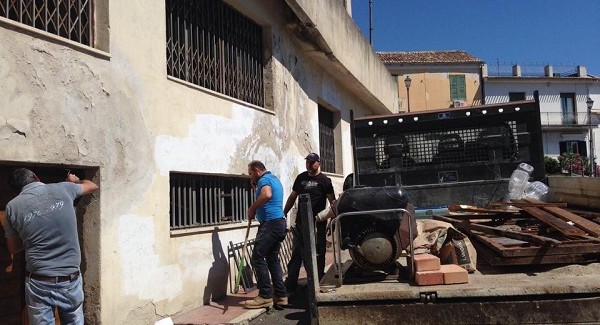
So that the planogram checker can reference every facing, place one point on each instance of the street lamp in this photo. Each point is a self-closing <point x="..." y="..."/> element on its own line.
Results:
<point x="590" y="103"/>
<point x="407" y="82"/>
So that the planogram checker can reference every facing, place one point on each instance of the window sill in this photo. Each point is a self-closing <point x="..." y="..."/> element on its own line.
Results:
<point x="211" y="229"/>
<point x="218" y="94"/>
<point x="34" y="32"/>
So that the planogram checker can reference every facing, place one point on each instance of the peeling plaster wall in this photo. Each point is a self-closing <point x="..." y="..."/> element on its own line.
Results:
<point x="120" y="113"/>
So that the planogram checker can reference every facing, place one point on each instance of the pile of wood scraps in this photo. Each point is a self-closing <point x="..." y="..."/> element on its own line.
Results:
<point x="530" y="232"/>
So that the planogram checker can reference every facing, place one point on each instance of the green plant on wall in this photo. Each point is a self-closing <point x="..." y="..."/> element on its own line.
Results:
<point x="552" y="165"/>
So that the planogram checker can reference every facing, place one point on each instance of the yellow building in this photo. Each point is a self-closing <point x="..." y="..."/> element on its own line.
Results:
<point x="435" y="79"/>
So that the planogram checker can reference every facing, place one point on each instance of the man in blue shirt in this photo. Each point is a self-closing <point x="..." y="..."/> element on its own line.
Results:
<point x="268" y="210"/>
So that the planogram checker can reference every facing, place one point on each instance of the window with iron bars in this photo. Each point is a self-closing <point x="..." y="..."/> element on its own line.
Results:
<point x="211" y="45"/>
<point x="327" y="139"/>
<point x="71" y="19"/>
<point x="207" y="200"/>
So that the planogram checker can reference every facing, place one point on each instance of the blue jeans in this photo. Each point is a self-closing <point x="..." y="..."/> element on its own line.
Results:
<point x="265" y="258"/>
<point x="41" y="297"/>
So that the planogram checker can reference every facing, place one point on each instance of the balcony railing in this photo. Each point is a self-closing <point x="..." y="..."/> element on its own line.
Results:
<point x="557" y="119"/>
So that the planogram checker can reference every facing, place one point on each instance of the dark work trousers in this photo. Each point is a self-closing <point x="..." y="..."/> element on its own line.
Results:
<point x="298" y="254"/>
<point x="265" y="258"/>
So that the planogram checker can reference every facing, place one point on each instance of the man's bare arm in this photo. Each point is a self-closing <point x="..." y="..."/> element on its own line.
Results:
<point x="89" y="187"/>
<point x="290" y="202"/>
<point x="331" y="198"/>
<point x="14" y="244"/>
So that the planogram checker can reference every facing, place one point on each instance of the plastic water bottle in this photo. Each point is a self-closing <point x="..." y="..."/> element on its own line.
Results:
<point x="518" y="180"/>
<point x="537" y="190"/>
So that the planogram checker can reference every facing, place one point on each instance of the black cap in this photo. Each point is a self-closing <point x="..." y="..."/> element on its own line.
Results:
<point x="312" y="157"/>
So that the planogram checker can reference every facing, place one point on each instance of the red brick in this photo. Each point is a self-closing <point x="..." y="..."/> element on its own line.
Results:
<point x="429" y="278"/>
<point x="454" y="274"/>
<point x="426" y="262"/>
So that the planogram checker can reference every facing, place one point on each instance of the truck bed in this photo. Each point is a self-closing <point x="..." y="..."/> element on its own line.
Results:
<point x="522" y="295"/>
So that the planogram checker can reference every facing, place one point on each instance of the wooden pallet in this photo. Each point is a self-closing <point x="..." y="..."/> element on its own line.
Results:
<point x="542" y="233"/>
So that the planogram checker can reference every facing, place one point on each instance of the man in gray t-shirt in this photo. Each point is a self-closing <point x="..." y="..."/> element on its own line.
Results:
<point x="41" y="220"/>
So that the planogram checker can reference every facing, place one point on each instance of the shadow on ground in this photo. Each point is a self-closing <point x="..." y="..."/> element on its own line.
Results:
<point x="295" y="313"/>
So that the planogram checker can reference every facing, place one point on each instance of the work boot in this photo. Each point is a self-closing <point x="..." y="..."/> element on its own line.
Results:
<point x="280" y="301"/>
<point x="258" y="302"/>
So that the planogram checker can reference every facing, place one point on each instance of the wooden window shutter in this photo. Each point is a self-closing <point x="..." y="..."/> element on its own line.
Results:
<point x="458" y="87"/>
<point x="582" y="148"/>
<point x="562" y="145"/>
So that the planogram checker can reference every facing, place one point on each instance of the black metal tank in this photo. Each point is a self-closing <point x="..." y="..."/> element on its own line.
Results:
<point x="372" y="239"/>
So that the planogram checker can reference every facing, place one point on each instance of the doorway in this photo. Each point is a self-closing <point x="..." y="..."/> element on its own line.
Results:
<point x="12" y="271"/>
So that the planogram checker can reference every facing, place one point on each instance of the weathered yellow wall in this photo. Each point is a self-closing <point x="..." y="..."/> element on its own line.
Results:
<point x="431" y="90"/>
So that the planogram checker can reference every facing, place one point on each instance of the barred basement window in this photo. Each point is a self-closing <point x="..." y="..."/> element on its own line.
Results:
<point x="211" y="45"/>
<point x="327" y="139"/>
<point x="206" y="200"/>
<point x="71" y="19"/>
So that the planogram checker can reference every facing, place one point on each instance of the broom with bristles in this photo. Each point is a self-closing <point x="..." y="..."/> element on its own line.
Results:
<point x="242" y="264"/>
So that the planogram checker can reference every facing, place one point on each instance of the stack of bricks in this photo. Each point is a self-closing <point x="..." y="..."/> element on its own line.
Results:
<point x="430" y="272"/>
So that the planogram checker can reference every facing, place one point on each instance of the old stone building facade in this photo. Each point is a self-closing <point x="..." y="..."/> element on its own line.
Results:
<point x="163" y="105"/>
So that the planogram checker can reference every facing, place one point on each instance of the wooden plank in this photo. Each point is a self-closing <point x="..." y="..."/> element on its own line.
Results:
<point x="506" y="247"/>
<point x="592" y="239"/>
<point x="469" y="227"/>
<point x="530" y="203"/>
<point x="554" y="222"/>
<point x="486" y="216"/>
<point x="587" y="225"/>
<point x="585" y="214"/>
<point x="494" y="260"/>
<point x="476" y="209"/>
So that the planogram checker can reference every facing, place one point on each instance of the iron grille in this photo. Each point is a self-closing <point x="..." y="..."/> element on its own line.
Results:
<point x="211" y="45"/>
<point x="248" y="277"/>
<point x="71" y="19"/>
<point x="461" y="145"/>
<point x="204" y="200"/>
<point x="326" y="139"/>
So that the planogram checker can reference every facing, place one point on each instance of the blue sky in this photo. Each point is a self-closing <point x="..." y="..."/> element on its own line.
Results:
<point x="528" y="32"/>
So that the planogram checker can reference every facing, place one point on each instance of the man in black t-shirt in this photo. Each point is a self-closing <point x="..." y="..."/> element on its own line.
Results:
<point x="319" y="188"/>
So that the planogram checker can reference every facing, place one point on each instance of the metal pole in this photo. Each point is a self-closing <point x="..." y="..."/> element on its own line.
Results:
<point x="309" y="254"/>
<point x="371" y="22"/>
<point x="408" y="97"/>
<point x="591" y="139"/>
